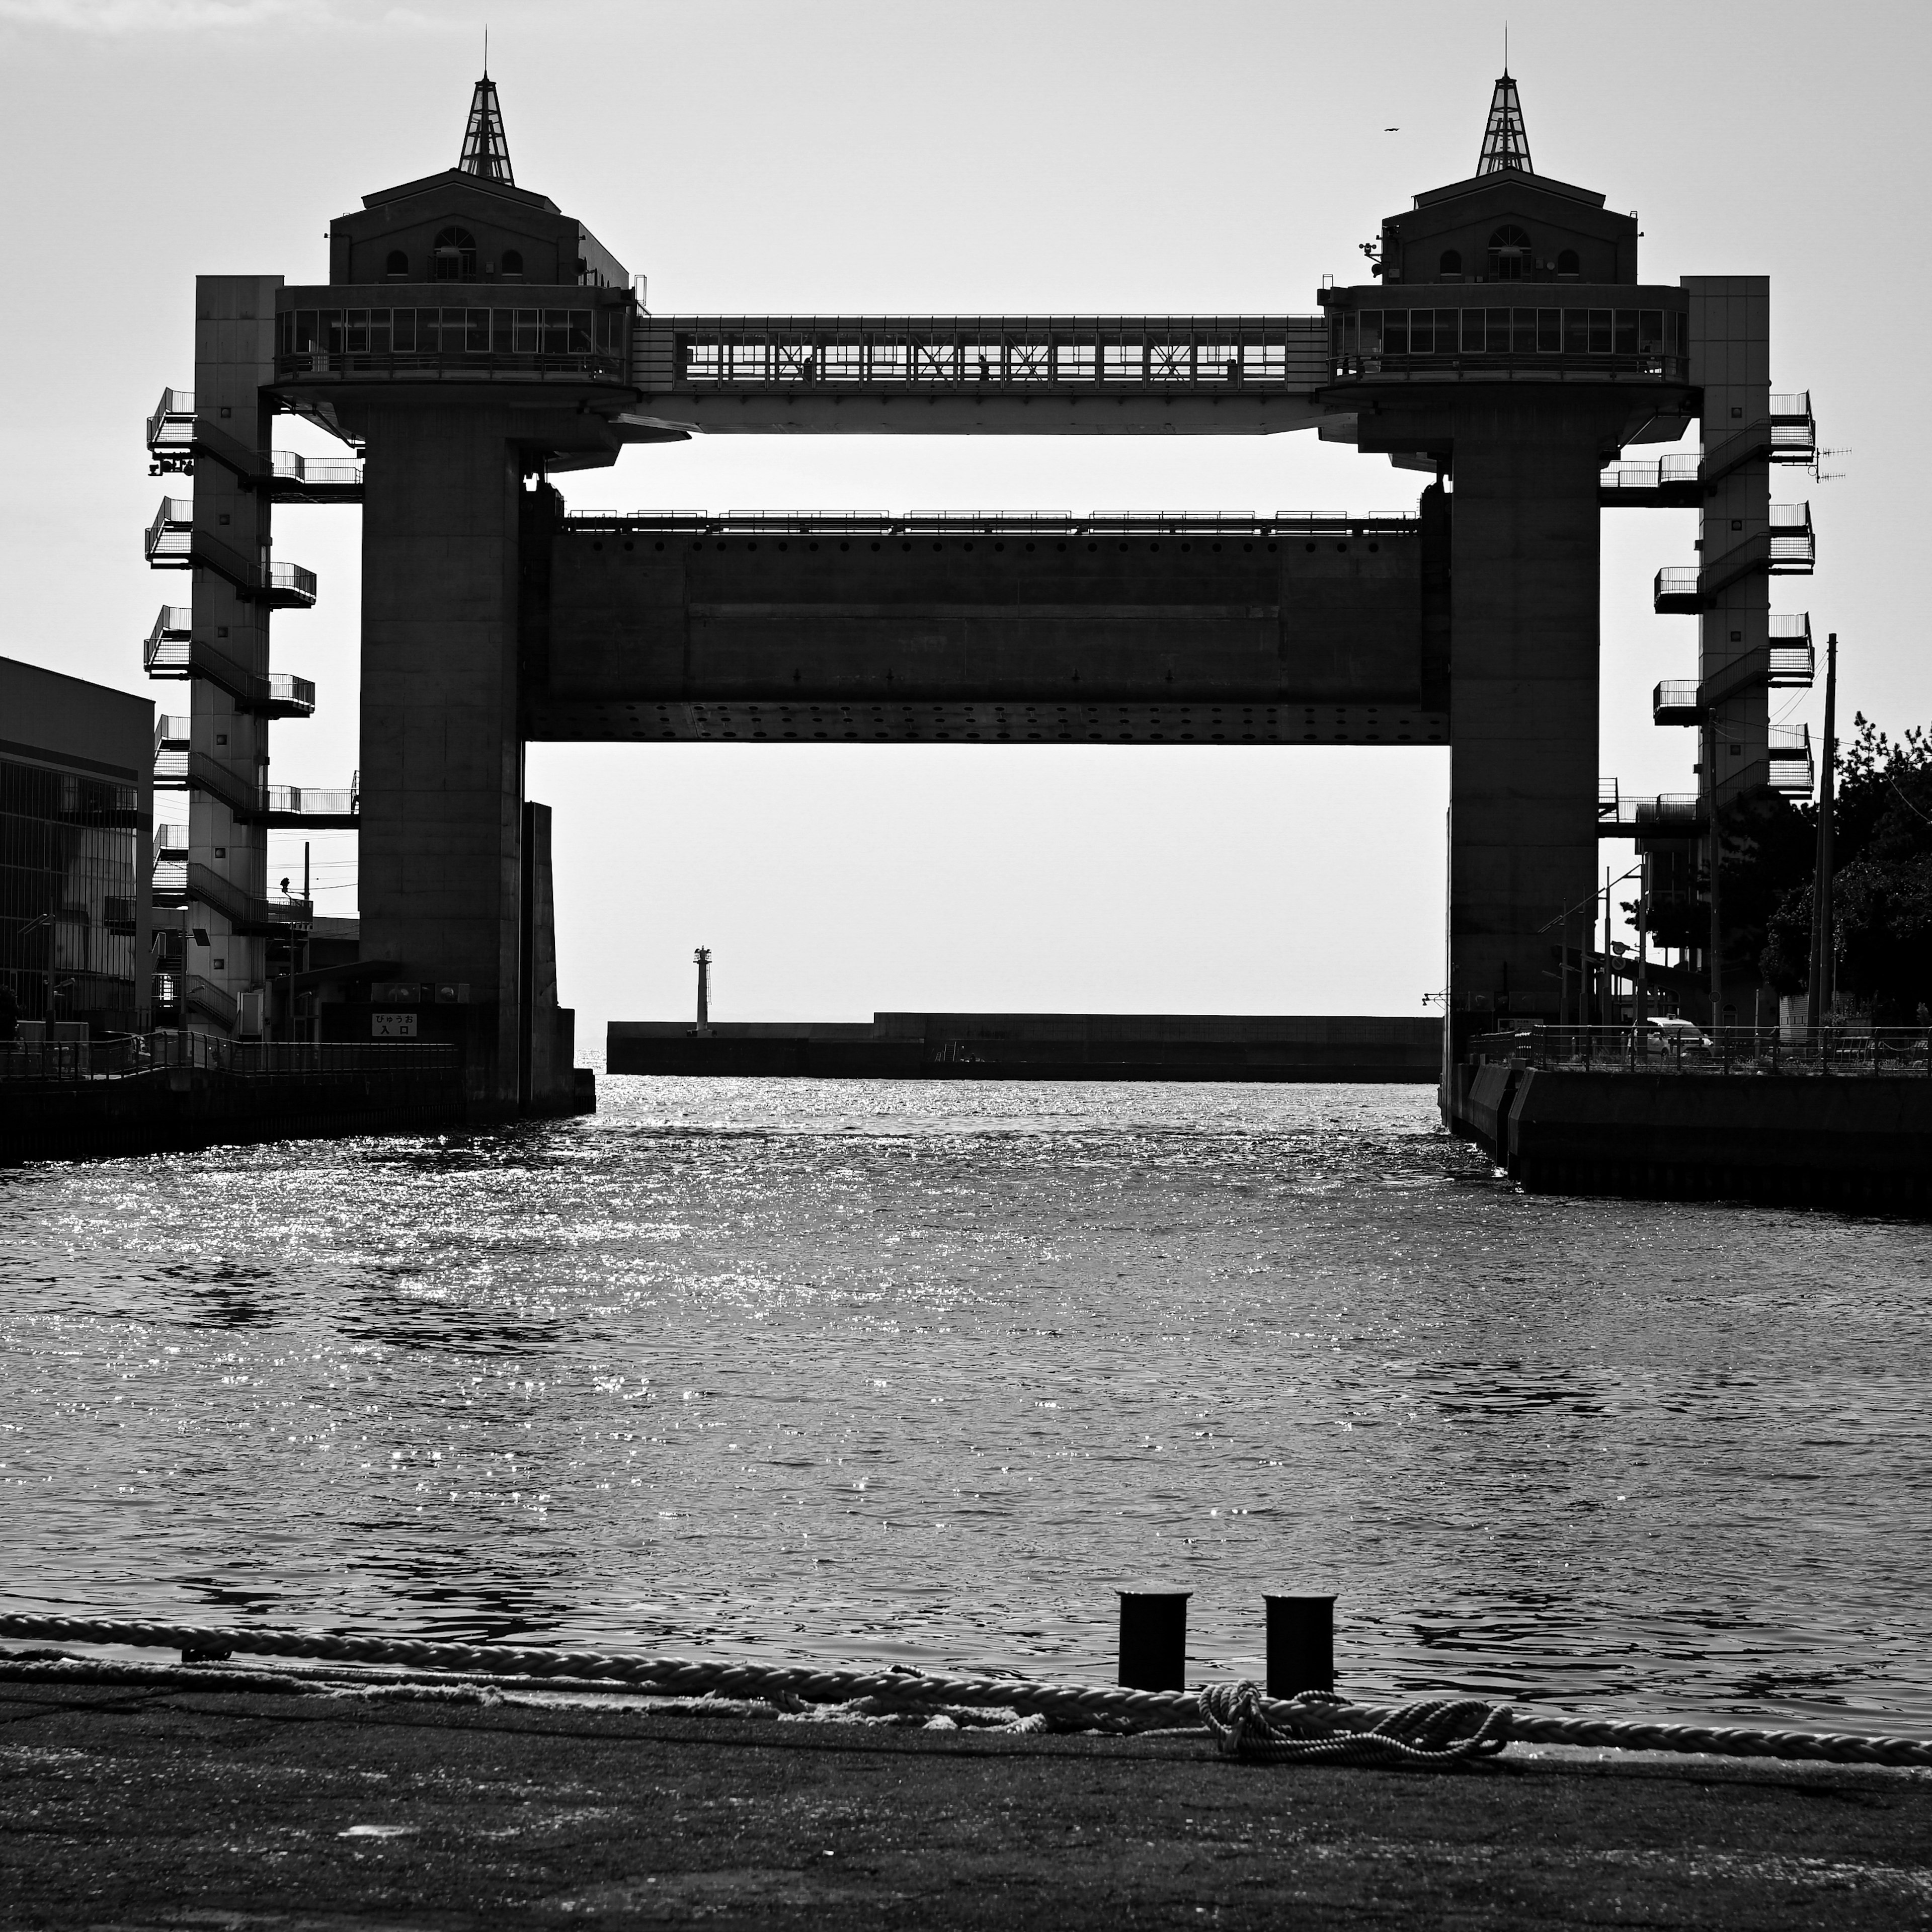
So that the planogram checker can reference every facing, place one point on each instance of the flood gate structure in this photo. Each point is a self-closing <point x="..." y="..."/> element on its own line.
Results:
<point x="473" y="341"/>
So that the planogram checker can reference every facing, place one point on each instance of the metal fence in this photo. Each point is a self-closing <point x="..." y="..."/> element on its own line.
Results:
<point x="1721" y="1051"/>
<point x="1308" y="524"/>
<point x="119" y="1056"/>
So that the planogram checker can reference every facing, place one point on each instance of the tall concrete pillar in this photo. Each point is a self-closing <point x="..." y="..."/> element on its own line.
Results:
<point x="442" y="779"/>
<point x="1525" y="551"/>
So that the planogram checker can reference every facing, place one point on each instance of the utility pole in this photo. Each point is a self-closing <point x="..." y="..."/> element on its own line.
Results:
<point x="1717" y="878"/>
<point x="703" y="956"/>
<point x="1819" y="995"/>
<point x="1642" y="940"/>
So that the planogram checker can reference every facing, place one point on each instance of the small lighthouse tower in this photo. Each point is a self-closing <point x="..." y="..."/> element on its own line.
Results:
<point x="703" y="956"/>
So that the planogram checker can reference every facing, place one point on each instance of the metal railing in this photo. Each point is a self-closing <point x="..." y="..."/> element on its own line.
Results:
<point x="1675" y="812"/>
<point x="171" y="427"/>
<point x="67" y="1060"/>
<point x="178" y="768"/>
<point x="122" y="1056"/>
<point x="295" y="1059"/>
<point x="1675" y="701"/>
<point x="250" y="917"/>
<point x="291" y="695"/>
<point x="989" y="522"/>
<point x="1793" y="661"/>
<point x="1677" y="472"/>
<point x="173" y="651"/>
<point x="1715" y="1052"/>
<point x="326" y="472"/>
<point x="299" y="802"/>
<point x="590" y="365"/>
<point x="171" y="542"/>
<point x="168" y="538"/>
<point x="1792" y="770"/>
<point x="165" y="654"/>
<point x="202" y="996"/>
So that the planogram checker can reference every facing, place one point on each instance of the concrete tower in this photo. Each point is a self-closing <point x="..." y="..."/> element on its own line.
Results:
<point x="471" y="336"/>
<point x="1509" y="344"/>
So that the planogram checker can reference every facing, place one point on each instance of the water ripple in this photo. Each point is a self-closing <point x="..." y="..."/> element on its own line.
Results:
<point x="897" y="1372"/>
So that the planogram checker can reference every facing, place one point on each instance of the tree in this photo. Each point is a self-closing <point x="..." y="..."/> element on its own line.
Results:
<point x="1882" y="880"/>
<point x="1767" y="853"/>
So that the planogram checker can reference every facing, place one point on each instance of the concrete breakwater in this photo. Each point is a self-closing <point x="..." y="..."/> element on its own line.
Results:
<point x="1783" y="1139"/>
<point x="1042" y="1046"/>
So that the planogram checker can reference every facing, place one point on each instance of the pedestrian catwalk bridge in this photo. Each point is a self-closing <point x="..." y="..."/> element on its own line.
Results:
<point x="1032" y="375"/>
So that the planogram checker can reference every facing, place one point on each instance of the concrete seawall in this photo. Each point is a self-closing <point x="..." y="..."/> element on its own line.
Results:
<point x="1787" y="1139"/>
<point x="1043" y="1046"/>
<point x="176" y="1108"/>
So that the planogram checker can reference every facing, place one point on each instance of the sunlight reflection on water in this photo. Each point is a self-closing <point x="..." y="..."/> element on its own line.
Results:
<point x="908" y="1372"/>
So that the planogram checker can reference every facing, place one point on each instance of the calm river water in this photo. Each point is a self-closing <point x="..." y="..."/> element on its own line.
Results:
<point x="923" y="1373"/>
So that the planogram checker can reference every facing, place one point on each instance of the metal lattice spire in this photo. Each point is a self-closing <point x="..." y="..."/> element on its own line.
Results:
<point x="1505" y="140"/>
<point x="486" y="152"/>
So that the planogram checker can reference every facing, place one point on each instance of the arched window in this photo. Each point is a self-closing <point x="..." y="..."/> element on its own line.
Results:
<point x="1509" y="254"/>
<point x="453" y="256"/>
<point x="1451" y="264"/>
<point x="513" y="263"/>
<point x="1567" y="264"/>
<point x="396" y="268"/>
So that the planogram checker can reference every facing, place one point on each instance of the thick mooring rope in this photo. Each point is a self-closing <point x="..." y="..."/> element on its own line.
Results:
<point x="1245" y="1722"/>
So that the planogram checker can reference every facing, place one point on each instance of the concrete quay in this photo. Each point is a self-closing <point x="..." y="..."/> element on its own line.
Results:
<point x="143" y="1806"/>
<point x="1040" y="1046"/>
<point x="163" y="1108"/>
<point x="1781" y="1139"/>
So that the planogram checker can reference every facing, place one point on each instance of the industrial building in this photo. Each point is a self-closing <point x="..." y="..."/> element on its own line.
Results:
<point x="77" y="828"/>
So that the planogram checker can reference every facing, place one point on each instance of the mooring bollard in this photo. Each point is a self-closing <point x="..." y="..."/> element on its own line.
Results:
<point x="1153" y="1640"/>
<point x="1300" y="1644"/>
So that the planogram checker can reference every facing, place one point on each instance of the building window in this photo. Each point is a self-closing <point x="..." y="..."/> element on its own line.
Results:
<point x="1568" y="263"/>
<point x="453" y="257"/>
<point x="1509" y="253"/>
<point x="396" y="268"/>
<point x="1451" y="267"/>
<point x="513" y="265"/>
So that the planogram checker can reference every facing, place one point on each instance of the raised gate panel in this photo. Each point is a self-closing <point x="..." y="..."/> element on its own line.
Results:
<point x="647" y="619"/>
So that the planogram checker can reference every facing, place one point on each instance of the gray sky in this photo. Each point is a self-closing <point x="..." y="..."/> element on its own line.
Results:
<point x="995" y="158"/>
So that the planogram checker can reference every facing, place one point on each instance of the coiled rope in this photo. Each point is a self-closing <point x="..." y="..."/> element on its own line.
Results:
<point x="1245" y="1722"/>
<point x="1444" y="1735"/>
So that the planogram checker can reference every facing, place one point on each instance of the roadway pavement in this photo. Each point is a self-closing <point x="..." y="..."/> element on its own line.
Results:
<point x="137" y="1805"/>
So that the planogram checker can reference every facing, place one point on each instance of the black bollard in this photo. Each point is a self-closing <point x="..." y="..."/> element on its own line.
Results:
<point x="1153" y="1640"/>
<point x="1300" y="1644"/>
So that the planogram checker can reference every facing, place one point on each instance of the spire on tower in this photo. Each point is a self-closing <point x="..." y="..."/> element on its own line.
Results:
<point x="1505" y="141"/>
<point x="486" y="152"/>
